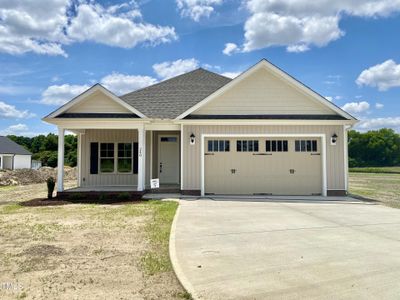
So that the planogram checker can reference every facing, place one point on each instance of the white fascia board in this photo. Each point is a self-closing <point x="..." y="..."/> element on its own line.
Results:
<point x="97" y="87"/>
<point x="97" y="123"/>
<point x="267" y="122"/>
<point x="279" y="73"/>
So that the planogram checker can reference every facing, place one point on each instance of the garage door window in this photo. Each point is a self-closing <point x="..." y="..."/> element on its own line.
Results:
<point x="218" y="146"/>
<point x="247" y="146"/>
<point x="276" y="146"/>
<point x="306" y="146"/>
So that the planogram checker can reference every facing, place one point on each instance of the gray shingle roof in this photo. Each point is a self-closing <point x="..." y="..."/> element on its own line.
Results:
<point x="7" y="146"/>
<point x="170" y="98"/>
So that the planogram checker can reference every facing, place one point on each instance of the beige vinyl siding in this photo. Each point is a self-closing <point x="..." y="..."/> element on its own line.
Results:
<point x="263" y="93"/>
<point x="191" y="153"/>
<point x="106" y="136"/>
<point x="98" y="103"/>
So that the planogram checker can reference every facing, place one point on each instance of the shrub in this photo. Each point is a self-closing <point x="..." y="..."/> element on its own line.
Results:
<point x="51" y="183"/>
<point x="102" y="197"/>
<point x="123" y="196"/>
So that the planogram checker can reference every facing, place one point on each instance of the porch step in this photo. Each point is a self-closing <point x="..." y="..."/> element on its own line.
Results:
<point x="165" y="191"/>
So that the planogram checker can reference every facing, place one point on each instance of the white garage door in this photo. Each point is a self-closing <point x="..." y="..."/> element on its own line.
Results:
<point x="275" y="166"/>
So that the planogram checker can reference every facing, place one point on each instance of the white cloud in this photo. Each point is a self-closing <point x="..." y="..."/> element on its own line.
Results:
<point x="379" y="105"/>
<point x="356" y="107"/>
<point x="329" y="98"/>
<point x="170" y="69"/>
<point x="43" y="27"/>
<point x="61" y="94"/>
<point x="377" y="123"/>
<point x="230" y="48"/>
<point x="14" y="129"/>
<point x="11" y="112"/>
<point x="231" y="74"/>
<point x="197" y="9"/>
<point x="121" y="84"/>
<point x="300" y="24"/>
<point x="106" y="26"/>
<point x="384" y="76"/>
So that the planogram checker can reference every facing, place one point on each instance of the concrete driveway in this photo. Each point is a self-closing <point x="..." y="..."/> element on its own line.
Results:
<point x="277" y="249"/>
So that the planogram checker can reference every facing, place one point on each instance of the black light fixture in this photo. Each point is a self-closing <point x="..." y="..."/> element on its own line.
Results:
<point x="192" y="139"/>
<point x="334" y="139"/>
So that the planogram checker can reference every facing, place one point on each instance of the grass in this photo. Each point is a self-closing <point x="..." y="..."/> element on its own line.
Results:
<point x="387" y="170"/>
<point x="382" y="187"/>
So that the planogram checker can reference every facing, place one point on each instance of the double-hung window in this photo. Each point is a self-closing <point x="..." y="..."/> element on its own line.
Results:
<point x="124" y="158"/>
<point x="107" y="157"/>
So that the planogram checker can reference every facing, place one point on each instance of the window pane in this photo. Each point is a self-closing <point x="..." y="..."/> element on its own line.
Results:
<point x="308" y="146"/>
<point x="303" y="146"/>
<point x="285" y="146"/>
<point x="107" y="165"/>
<point x="250" y="146"/>
<point x="255" y="146"/>
<point x="297" y="146"/>
<point x="314" y="146"/>
<point x="210" y="146"/>
<point x="221" y="146"/>
<point x="274" y="146"/>
<point x="239" y="146"/>
<point x="215" y="146"/>
<point x="227" y="146"/>
<point x="124" y="165"/>
<point x="268" y="146"/>
<point x="244" y="146"/>
<point x="279" y="146"/>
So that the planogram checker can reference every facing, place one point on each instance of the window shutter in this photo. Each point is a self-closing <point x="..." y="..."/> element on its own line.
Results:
<point x="94" y="158"/>
<point x="135" y="158"/>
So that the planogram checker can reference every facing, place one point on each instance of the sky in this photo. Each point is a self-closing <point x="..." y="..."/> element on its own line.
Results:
<point x="51" y="51"/>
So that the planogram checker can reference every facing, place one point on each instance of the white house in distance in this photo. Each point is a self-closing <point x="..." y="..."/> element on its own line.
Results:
<point x="13" y="156"/>
<point x="263" y="132"/>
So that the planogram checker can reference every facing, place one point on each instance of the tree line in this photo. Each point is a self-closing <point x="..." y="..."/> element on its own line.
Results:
<point x="375" y="148"/>
<point x="44" y="148"/>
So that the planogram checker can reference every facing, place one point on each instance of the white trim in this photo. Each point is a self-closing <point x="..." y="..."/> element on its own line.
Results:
<point x="163" y="126"/>
<point x="151" y="155"/>
<point x="142" y="158"/>
<point x="346" y="157"/>
<point x="266" y="122"/>
<point x="88" y="92"/>
<point x="279" y="73"/>
<point x="73" y="124"/>
<point x="159" y="136"/>
<point x="1" y="161"/>
<point x="181" y="157"/>
<point x="60" y="160"/>
<point x="323" y="152"/>
<point x="79" y="162"/>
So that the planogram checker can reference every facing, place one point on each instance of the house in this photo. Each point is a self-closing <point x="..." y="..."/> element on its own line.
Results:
<point x="13" y="156"/>
<point x="263" y="132"/>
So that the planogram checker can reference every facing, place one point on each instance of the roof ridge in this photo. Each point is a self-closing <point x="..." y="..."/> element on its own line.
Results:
<point x="175" y="77"/>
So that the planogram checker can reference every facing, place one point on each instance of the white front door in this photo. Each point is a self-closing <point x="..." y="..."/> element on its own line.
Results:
<point x="168" y="159"/>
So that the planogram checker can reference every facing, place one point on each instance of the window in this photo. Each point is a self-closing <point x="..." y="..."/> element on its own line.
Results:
<point x="107" y="157"/>
<point x="247" y="146"/>
<point x="276" y="146"/>
<point x="305" y="146"/>
<point x="218" y="146"/>
<point x="169" y="139"/>
<point x="124" y="158"/>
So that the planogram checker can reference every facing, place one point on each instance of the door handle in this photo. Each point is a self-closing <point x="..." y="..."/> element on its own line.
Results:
<point x="160" y="167"/>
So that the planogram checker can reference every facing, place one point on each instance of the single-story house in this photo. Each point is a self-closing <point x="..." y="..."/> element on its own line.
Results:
<point x="263" y="132"/>
<point x="13" y="156"/>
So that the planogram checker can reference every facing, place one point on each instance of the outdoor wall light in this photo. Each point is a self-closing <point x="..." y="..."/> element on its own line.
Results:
<point x="192" y="139"/>
<point x="334" y="139"/>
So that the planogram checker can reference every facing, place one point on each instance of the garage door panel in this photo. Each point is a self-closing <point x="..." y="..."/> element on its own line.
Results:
<point x="262" y="172"/>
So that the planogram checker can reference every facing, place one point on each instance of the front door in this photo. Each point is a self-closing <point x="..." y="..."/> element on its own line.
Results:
<point x="168" y="159"/>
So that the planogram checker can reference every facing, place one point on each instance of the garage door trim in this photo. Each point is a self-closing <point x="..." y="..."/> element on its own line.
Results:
<point x="280" y="135"/>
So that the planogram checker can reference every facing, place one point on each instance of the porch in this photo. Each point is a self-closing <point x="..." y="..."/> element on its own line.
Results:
<point x="123" y="160"/>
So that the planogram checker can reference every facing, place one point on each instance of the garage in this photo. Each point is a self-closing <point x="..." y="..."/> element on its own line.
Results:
<point x="264" y="165"/>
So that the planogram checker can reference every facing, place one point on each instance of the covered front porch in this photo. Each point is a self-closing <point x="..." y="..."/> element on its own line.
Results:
<point x="122" y="160"/>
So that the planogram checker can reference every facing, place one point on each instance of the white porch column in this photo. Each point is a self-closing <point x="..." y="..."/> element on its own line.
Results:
<point x="1" y="162"/>
<point x="60" y="161"/>
<point x="79" y="158"/>
<point x="142" y="158"/>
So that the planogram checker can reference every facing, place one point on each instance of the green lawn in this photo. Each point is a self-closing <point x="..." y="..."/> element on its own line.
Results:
<point x="378" y="186"/>
<point x="395" y="170"/>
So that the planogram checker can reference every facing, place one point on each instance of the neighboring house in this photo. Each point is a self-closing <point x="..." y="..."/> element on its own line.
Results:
<point x="13" y="156"/>
<point x="263" y="132"/>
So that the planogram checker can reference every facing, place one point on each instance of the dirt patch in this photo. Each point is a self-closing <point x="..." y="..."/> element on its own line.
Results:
<point x="56" y="201"/>
<point x="29" y="176"/>
<point x="43" y="250"/>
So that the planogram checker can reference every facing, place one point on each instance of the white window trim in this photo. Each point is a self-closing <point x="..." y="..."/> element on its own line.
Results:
<point x="115" y="159"/>
<point x="323" y="153"/>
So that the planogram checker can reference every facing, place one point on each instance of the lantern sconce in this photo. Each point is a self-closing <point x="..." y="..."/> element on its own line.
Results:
<point x="334" y="139"/>
<point x="192" y="139"/>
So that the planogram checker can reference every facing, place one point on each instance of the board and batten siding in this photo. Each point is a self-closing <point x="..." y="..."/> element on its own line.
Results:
<point x="191" y="153"/>
<point x="263" y="93"/>
<point x="106" y="136"/>
<point x="98" y="103"/>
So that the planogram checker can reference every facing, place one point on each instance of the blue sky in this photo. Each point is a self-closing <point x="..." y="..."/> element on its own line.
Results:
<point x="348" y="51"/>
